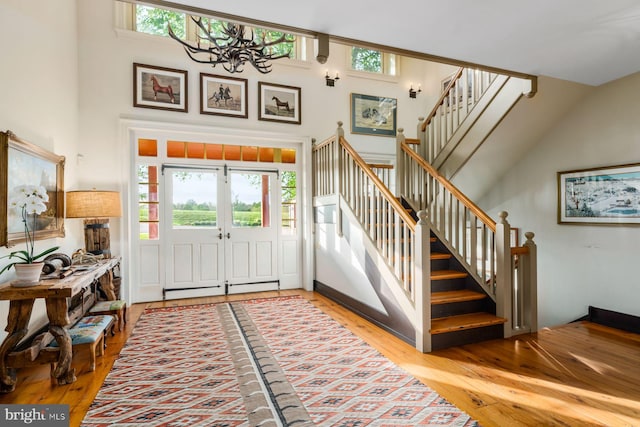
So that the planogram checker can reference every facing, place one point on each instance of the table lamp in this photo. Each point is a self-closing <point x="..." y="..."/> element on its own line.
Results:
<point x="96" y="207"/>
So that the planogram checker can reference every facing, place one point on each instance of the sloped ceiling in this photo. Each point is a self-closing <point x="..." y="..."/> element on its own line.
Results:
<point x="585" y="41"/>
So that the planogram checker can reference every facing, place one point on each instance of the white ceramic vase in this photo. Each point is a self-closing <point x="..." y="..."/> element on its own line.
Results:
<point x="27" y="274"/>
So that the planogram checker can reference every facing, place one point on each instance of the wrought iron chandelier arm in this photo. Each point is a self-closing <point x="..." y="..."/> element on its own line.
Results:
<point x="231" y="50"/>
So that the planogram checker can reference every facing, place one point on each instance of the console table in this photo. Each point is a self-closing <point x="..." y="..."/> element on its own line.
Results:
<point x="56" y="293"/>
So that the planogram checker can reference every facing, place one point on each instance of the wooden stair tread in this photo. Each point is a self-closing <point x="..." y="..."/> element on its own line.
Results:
<point x="447" y="297"/>
<point x="447" y="274"/>
<point x="464" y="321"/>
<point x="440" y="255"/>
<point x="412" y="141"/>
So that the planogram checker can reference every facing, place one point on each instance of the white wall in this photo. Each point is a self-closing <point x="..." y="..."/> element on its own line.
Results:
<point x="106" y="58"/>
<point x="578" y="265"/>
<point x="40" y="97"/>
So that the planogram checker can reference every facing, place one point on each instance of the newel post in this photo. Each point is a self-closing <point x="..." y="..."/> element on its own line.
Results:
<point x="422" y="283"/>
<point x="504" y="276"/>
<point x="531" y="308"/>
<point x="337" y="177"/>
<point x="400" y="181"/>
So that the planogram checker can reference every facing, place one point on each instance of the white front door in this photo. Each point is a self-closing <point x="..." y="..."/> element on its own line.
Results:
<point x="194" y="224"/>
<point x="222" y="231"/>
<point x="251" y="231"/>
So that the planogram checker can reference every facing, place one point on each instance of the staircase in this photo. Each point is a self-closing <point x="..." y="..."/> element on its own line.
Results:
<point x="461" y="311"/>
<point x="452" y="270"/>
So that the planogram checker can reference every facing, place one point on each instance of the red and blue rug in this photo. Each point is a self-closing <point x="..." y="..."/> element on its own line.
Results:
<point x="263" y="362"/>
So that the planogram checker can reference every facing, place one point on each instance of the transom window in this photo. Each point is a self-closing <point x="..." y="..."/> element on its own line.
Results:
<point x="155" y="21"/>
<point x="373" y="61"/>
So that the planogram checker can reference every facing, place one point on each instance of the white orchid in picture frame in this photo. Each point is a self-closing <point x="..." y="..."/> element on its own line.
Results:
<point x="29" y="201"/>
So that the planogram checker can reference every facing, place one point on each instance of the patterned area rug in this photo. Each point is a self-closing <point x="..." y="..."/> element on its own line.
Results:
<point x="263" y="362"/>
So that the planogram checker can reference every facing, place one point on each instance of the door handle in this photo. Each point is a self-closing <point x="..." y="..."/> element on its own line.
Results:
<point x="220" y="236"/>
<point x="228" y="235"/>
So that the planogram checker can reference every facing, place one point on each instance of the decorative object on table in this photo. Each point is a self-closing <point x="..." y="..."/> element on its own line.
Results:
<point x="81" y="257"/>
<point x="30" y="201"/>
<point x="160" y="88"/>
<point x="56" y="263"/>
<point x="223" y="96"/>
<point x="230" y="48"/>
<point x="605" y="195"/>
<point x="23" y="163"/>
<point x="279" y="103"/>
<point x="95" y="207"/>
<point x="373" y="115"/>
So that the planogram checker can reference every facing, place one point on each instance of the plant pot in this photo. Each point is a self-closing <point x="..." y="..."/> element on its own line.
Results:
<point x="27" y="274"/>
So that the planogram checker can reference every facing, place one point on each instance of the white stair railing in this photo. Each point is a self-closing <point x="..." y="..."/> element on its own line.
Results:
<point x="478" y="242"/>
<point x="460" y="96"/>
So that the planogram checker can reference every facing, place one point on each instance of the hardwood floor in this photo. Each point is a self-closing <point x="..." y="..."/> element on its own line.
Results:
<point x="580" y="374"/>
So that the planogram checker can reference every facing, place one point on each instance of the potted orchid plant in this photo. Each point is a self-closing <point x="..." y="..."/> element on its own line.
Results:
<point x="29" y="201"/>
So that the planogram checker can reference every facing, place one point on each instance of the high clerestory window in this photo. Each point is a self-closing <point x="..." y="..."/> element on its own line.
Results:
<point x="373" y="61"/>
<point x="155" y="21"/>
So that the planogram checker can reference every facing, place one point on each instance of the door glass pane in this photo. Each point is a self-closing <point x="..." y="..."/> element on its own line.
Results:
<point x="195" y="199"/>
<point x="148" y="206"/>
<point x="250" y="199"/>
<point x="288" y="202"/>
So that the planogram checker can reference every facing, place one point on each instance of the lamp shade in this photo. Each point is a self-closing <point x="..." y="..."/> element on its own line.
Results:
<point x="93" y="204"/>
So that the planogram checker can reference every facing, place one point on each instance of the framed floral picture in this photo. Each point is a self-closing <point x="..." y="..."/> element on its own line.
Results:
<point x="160" y="88"/>
<point x="373" y="115"/>
<point x="279" y="103"/>
<point x="223" y="96"/>
<point x="25" y="164"/>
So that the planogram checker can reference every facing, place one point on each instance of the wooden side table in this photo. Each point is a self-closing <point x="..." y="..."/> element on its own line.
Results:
<point x="55" y="292"/>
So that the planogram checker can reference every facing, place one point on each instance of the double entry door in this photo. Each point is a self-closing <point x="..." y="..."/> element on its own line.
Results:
<point x="222" y="231"/>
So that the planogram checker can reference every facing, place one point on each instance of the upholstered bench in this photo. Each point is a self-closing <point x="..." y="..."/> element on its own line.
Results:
<point x="117" y="308"/>
<point x="89" y="333"/>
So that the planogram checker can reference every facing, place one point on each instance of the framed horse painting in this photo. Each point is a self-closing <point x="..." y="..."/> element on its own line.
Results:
<point x="223" y="96"/>
<point x="160" y="88"/>
<point x="279" y="103"/>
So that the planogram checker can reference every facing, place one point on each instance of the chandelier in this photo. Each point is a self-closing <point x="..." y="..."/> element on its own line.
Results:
<point x="231" y="49"/>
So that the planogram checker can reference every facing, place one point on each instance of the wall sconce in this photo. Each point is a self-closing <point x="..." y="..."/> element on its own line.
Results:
<point x="331" y="81"/>
<point x="96" y="207"/>
<point x="413" y="93"/>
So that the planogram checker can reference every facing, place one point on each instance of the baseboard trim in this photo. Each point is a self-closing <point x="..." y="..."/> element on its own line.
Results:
<point x="614" y="319"/>
<point x="360" y="309"/>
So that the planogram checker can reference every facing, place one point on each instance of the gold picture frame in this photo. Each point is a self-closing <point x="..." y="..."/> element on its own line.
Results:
<point x="23" y="163"/>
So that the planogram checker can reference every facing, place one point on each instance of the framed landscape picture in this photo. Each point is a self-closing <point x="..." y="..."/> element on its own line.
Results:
<point x="373" y="115"/>
<point x="159" y="87"/>
<point x="223" y="96"/>
<point x="21" y="164"/>
<point x="279" y="103"/>
<point x="606" y="195"/>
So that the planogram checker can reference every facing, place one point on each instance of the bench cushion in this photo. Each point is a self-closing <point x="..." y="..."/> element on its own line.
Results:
<point x="100" y="321"/>
<point x="87" y="330"/>
<point x="108" y="306"/>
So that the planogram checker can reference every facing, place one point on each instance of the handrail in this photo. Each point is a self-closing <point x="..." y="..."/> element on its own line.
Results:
<point x="443" y="96"/>
<point x="479" y="213"/>
<point x="380" y="165"/>
<point x="381" y="187"/>
<point x="323" y="143"/>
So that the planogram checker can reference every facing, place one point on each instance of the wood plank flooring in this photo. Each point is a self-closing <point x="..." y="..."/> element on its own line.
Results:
<point x="580" y="374"/>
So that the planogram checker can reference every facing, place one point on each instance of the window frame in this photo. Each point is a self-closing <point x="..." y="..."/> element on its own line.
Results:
<point x="387" y="59"/>
<point x="125" y="18"/>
